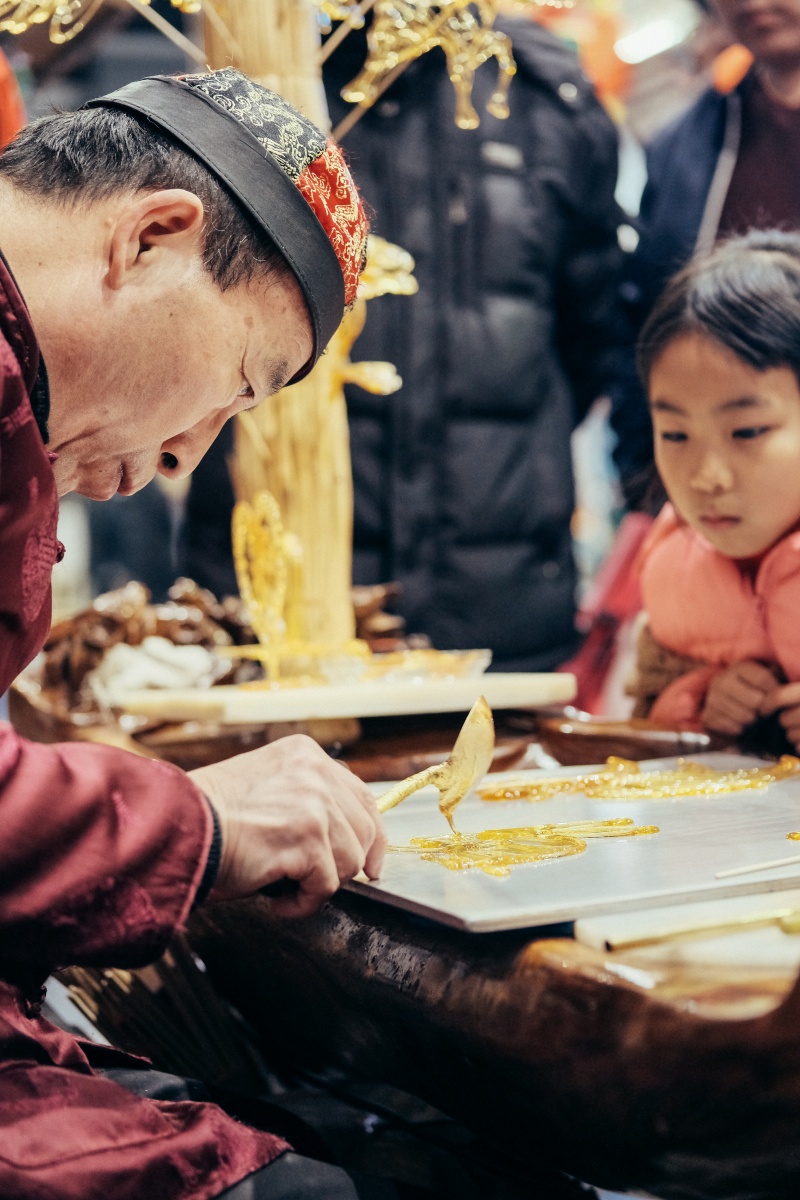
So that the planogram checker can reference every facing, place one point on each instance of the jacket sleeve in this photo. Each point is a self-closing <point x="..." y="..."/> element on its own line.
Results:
<point x="682" y="701"/>
<point x="587" y="288"/>
<point x="642" y="278"/>
<point x="101" y="853"/>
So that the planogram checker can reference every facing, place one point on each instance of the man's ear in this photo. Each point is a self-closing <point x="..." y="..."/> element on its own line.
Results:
<point x="157" y="221"/>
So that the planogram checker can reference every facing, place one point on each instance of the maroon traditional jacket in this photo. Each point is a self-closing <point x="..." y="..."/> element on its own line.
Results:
<point x="101" y="854"/>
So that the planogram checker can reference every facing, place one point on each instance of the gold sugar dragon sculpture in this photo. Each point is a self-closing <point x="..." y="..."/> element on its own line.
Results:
<point x="296" y="445"/>
<point x="346" y="10"/>
<point x="269" y="572"/>
<point x="403" y="30"/>
<point x="67" y="17"/>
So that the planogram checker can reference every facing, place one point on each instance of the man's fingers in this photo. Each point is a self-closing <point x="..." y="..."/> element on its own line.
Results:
<point x="377" y="851"/>
<point x="287" y="811"/>
<point x="359" y="807"/>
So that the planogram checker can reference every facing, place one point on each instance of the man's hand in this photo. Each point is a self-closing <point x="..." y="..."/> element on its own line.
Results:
<point x="735" y="696"/>
<point x="786" y="698"/>
<point x="287" y="810"/>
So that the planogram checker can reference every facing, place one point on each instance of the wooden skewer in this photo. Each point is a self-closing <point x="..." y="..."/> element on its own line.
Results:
<point x="213" y="18"/>
<point x="761" y="866"/>
<point x="356" y="113"/>
<point x="785" y="918"/>
<point x="346" y="27"/>
<point x="169" y="31"/>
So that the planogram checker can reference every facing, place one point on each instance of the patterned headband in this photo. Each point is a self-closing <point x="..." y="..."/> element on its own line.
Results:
<point x="283" y="171"/>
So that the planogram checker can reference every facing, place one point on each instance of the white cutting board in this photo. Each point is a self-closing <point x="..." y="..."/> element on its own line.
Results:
<point x="241" y="706"/>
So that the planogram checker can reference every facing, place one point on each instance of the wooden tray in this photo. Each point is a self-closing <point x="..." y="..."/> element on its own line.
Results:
<point x="238" y="705"/>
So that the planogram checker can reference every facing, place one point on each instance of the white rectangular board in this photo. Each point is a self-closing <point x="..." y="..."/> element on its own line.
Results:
<point x="768" y="948"/>
<point x="240" y="705"/>
<point x="698" y="836"/>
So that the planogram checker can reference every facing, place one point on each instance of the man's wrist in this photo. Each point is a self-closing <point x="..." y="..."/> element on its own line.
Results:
<point x="212" y="862"/>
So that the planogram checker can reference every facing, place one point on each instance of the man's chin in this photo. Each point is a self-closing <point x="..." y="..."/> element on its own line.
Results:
<point x="129" y="487"/>
<point x="100" y="487"/>
<point x="103" y="487"/>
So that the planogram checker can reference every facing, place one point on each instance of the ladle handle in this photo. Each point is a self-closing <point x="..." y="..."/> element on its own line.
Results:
<point x="407" y="787"/>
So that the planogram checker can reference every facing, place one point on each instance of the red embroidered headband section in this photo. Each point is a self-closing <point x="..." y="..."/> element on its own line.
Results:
<point x="285" y="173"/>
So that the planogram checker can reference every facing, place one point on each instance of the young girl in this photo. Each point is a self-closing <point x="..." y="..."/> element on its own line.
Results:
<point x="720" y="359"/>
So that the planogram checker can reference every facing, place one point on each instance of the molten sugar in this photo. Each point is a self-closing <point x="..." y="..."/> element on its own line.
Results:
<point x="496" y="851"/>
<point x="624" y="780"/>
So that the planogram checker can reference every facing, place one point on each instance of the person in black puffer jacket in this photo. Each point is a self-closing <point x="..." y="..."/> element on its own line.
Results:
<point x="463" y="479"/>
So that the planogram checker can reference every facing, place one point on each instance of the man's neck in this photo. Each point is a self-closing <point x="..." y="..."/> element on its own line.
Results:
<point x="13" y="242"/>
<point x="40" y="392"/>
<point x="781" y="82"/>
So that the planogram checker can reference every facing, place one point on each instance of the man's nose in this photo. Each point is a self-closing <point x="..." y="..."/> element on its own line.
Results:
<point x="712" y="474"/>
<point x="180" y="455"/>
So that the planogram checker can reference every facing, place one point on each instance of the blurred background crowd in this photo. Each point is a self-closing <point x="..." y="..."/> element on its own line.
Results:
<point x="493" y="485"/>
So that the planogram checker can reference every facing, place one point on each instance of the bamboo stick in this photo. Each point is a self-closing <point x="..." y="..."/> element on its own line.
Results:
<point x="345" y="28"/>
<point x="169" y="31"/>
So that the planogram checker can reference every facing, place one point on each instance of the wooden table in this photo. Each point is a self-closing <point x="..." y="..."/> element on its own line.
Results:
<point x="684" y="1083"/>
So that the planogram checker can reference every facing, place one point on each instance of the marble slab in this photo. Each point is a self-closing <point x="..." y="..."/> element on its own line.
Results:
<point x="699" y="836"/>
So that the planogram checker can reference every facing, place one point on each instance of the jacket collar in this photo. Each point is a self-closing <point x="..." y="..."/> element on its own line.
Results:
<point x="17" y="329"/>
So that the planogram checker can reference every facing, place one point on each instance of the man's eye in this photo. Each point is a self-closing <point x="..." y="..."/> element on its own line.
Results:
<point x="751" y="431"/>
<point x="672" y="435"/>
<point x="246" y="392"/>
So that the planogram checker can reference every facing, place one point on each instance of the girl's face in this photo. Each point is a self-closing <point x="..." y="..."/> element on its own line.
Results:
<point x="727" y="444"/>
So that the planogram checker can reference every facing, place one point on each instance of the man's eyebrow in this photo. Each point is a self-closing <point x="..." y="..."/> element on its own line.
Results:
<point x="277" y="375"/>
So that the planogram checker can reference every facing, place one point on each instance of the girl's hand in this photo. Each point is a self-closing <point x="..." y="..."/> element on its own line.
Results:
<point x="735" y="697"/>
<point x="786" y="698"/>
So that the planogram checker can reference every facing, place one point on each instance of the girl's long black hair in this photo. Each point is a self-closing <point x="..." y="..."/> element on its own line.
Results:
<point x="745" y="294"/>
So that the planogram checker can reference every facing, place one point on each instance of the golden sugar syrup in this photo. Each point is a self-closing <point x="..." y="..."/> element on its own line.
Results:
<point x="496" y="851"/>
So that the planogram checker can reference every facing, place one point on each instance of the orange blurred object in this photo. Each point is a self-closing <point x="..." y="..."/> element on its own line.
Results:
<point x="730" y="68"/>
<point x="12" y="112"/>
<point x="593" y="29"/>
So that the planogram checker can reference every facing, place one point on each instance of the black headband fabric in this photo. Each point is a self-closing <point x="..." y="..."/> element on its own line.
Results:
<point x="239" y="161"/>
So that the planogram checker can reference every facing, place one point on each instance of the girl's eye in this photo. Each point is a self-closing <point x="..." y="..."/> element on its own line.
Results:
<point x="751" y="431"/>
<point x="673" y="435"/>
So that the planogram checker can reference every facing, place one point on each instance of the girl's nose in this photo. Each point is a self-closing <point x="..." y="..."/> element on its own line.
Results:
<point x="712" y="475"/>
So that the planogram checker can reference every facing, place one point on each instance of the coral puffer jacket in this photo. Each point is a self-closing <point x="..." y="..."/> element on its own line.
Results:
<point x="718" y="610"/>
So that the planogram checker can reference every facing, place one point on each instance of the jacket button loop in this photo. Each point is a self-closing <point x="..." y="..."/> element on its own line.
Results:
<point x="568" y="92"/>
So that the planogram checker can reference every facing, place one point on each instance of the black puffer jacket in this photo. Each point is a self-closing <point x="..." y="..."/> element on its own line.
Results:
<point x="463" y="479"/>
<point x="463" y="482"/>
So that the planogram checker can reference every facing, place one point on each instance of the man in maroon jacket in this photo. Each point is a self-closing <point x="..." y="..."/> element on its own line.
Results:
<point x="168" y="257"/>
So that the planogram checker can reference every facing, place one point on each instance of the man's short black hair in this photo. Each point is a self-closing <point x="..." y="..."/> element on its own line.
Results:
<point x="90" y="155"/>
